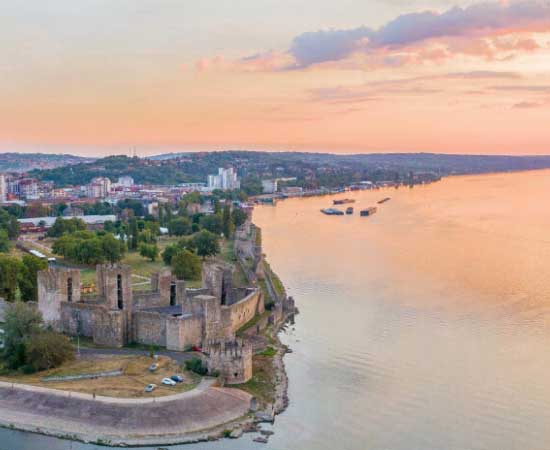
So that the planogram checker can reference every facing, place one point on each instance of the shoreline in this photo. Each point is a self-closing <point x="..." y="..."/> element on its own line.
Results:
<point x="241" y="420"/>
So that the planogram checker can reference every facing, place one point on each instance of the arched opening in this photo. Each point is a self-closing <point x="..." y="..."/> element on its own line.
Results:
<point x="69" y="289"/>
<point x="120" y="300"/>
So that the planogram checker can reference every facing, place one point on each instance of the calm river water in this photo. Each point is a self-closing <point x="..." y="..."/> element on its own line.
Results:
<point x="425" y="326"/>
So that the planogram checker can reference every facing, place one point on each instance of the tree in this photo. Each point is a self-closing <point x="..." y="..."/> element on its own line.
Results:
<point x="207" y="243"/>
<point x="62" y="226"/>
<point x="186" y="265"/>
<point x="113" y="248"/>
<point x="212" y="223"/>
<point x="133" y="234"/>
<point x="4" y="241"/>
<point x="21" y="321"/>
<point x="227" y="222"/>
<point x="169" y="252"/>
<point x="10" y="269"/>
<point x="239" y="217"/>
<point x="179" y="227"/>
<point x="47" y="349"/>
<point x="28" y="277"/>
<point x="150" y="251"/>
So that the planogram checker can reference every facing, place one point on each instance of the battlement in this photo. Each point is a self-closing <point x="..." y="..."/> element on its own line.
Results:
<point x="232" y="360"/>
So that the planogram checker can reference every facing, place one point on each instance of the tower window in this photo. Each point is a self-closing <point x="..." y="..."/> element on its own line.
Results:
<point x="120" y="301"/>
<point x="69" y="289"/>
<point x="173" y="294"/>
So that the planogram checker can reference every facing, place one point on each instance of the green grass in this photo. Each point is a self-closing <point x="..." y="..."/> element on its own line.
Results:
<point x="277" y="283"/>
<point x="252" y="322"/>
<point x="262" y="383"/>
<point x="270" y="352"/>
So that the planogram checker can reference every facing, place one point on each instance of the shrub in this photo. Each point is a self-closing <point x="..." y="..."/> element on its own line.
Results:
<point x="196" y="365"/>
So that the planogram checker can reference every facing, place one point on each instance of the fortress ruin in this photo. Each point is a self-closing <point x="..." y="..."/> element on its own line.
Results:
<point x="166" y="315"/>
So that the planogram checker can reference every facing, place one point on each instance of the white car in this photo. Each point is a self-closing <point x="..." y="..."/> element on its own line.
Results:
<point x="168" y="382"/>
<point x="150" y="387"/>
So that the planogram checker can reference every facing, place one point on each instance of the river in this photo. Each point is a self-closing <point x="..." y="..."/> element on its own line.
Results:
<point x="423" y="327"/>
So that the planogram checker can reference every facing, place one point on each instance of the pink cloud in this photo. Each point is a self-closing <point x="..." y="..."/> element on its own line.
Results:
<point x="488" y="30"/>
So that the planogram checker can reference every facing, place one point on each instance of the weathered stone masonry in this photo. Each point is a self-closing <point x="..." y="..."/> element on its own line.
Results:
<point x="167" y="315"/>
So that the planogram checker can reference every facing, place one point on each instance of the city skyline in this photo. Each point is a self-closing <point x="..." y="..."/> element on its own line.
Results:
<point x="388" y="76"/>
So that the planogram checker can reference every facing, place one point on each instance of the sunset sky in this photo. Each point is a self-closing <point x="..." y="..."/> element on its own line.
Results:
<point x="348" y="76"/>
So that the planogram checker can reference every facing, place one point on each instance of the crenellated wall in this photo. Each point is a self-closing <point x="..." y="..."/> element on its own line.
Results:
<point x="231" y="359"/>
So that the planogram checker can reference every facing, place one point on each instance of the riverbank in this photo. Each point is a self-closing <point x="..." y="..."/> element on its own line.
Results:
<point x="198" y="415"/>
<point x="208" y="412"/>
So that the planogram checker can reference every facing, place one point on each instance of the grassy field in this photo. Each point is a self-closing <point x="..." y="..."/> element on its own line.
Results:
<point x="130" y="384"/>
<point x="262" y="384"/>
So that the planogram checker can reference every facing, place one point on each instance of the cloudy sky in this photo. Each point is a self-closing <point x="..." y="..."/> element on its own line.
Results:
<point x="106" y="76"/>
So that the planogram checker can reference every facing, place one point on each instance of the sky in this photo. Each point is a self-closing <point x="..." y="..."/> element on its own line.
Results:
<point x="97" y="77"/>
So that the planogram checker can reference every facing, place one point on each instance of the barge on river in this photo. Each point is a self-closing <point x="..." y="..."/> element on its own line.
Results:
<point x="369" y="211"/>
<point x="343" y="201"/>
<point x="332" y="212"/>
<point x="384" y="200"/>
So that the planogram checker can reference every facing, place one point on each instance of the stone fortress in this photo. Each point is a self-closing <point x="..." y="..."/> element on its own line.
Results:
<point x="166" y="315"/>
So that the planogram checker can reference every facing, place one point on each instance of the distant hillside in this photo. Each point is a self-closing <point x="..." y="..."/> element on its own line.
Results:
<point x="24" y="162"/>
<point x="312" y="170"/>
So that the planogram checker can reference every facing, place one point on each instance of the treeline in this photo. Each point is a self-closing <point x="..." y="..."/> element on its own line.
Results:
<point x="9" y="230"/>
<point x="18" y="277"/>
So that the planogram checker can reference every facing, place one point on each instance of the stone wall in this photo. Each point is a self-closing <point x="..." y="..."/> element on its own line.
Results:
<point x="149" y="328"/>
<point x="107" y="276"/>
<point x="184" y="332"/>
<point x="231" y="359"/>
<point x="236" y="315"/>
<point x="53" y="288"/>
<point x="148" y="299"/>
<point x="110" y="328"/>
<point x="78" y="318"/>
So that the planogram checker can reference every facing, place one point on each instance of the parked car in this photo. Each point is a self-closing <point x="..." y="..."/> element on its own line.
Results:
<point x="150" y="387"/>
<point x="168" y="382"/>
<point x="153" y="367"/>
<point x="177" y="378"/>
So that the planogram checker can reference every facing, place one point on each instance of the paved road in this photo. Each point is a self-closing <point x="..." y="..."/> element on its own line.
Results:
<point x="132" y="421"/>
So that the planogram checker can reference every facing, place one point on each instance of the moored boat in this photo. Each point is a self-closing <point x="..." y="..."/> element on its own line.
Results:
<point x="384" y="200"/>
<point x="349" y="210"/>
<point x="332" y="212"/>
<point x="369" y="211"/>
<point x="342" y="201"/>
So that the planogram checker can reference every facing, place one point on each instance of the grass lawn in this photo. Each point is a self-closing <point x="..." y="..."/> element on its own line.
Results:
<point x="261" y="385"/>
<point x="130" y="384"/>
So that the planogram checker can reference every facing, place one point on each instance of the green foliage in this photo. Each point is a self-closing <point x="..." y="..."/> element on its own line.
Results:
<point x="238" y="216"/>
<point x="135" y="205"/>
<point x="85" y="247"/>
<point x="28" y="285"/>
<point x="27" y="345"/>
<point x="150" y="251"/>
<point x="4" y="241"/>
<point x="196" y="365"/>
<point x="179" y="227"/>
<point x="212" y="223"/>
<point x="168" y="253"/>
<point x="10" y="269"/>
<point x="21" y="321"/>
<point x="228" y="227"/>
<point x="133" y="235"/>
<point x="9" y="223"/>
<point x="62" y="226"/>
<point x="186" y="265"/>
<point x="207" y="243"/>
<point x="47" y="349"/>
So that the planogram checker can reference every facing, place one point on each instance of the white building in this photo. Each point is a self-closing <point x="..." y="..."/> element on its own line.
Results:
<point x="100" y="187"/>
<point x="226" y="179"/>
<point x="125" y="181"/>
<point x="3" y="188"/>
<point x="269" y="186"/>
